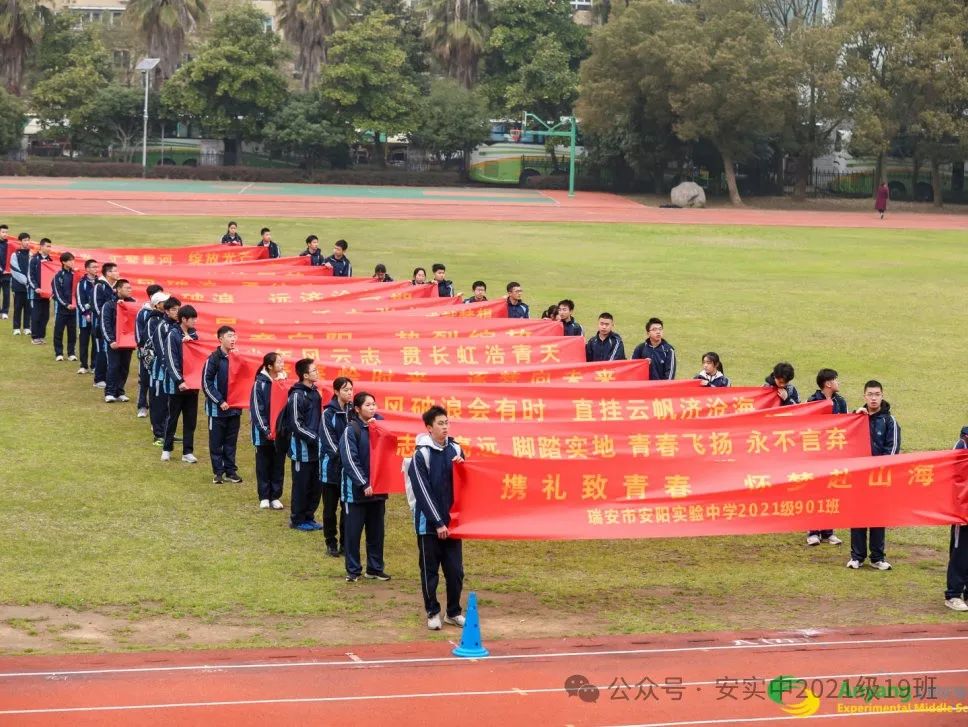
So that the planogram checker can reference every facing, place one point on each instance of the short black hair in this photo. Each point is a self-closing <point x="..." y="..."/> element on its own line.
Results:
<point x="873" y="384"/>
<point x="153" y="288"/>
<point x="606" y="315"/>
<point x="380" y="268"/>
<point x="432" y="413"/>
<point x="108" y="267"/>
<point x="4" y="226"/>
<point x="89" y="261"/>
<point x="222" y="330"/>
<point x="311" y="238"/>
<point x="652" y="322"/>
<point x="46" y="241"/>
<point x="186" y="312"/>
<point x="479" y="284"/>
<point x="264" y="230"/>
<point x="784" y="370"/>
<point x="341" y="244"/>
<point x="121" y="281"/>
<point x="438" y="266"/>
<point x="568" y="302"/>
<point x="303" y="365"/>
<point x="66" y="257"/>
<point x="23" y="236"/>
<point x="825" y="375"/>
<point x="512" y="285"/>
<point x="340" y="381"/>
<point x="172" y="302"/>
<point x="231" y="222"/>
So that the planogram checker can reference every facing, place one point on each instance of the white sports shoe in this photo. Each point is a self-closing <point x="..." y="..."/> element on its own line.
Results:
<point x="263" y="504"/>
<point x="123" y="398"/>
<point x="82" y="370"/>
<point x="100" y="384"/>
<point x="956" y="604"/>
<point x="833" y="540"/>
<point x="881" y="565"/>
<point x="854" y="564"/>
<point x="72" y="357"/>
<point x="165" y="456"/>
<point x="142" y="413"/>
<point x="16" y="331"/>
<point x="189" y="459"/>
<point x="433" y="622"/>
<point x="813" y="540"/>
<point x="110" y="399"/>
<point x="276" y="504"/>
<point x="457" y="620"/>
<point x="58" y="358"/>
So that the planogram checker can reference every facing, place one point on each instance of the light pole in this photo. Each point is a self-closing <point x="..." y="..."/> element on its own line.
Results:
<point x="146" y="65"/>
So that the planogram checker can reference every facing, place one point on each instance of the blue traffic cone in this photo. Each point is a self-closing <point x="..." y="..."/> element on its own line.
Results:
<point x="470" y="637"/>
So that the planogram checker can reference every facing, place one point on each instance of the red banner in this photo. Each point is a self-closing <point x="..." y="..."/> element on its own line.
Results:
<point x="511" y="498"/>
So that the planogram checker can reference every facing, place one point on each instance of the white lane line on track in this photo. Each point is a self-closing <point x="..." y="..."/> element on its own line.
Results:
<point x="123" y="207"/>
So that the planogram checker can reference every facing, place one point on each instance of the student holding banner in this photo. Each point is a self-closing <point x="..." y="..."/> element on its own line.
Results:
<point x="957" y="583"/>
<point x="85" y="317"/>
<point x="119" y="359"/>
<point x="103" y="292"/>
<point x="364" y="509"/>
<point x="223" y="421"/>
<point x="4" y="275"/>
<point x="158" y="329"/>
<point x="312" y="251"/>
<point x="19" y="267"/>
<point x="62" y="289"/>
<point x="151" y="309"/>
<point x="340" y="264"/>
<point x="431" y="476"/>
<point x="606" y="345"/>
<point x="270" y="464"/>
<point x="335" y="418"/>
<point x="182" y="401"/>
<point x="39" y="306"/>
<point x="303" y="410"/>
<point x="828" y="386"/>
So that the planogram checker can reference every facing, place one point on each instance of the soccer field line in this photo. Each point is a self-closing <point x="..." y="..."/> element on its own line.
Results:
<point x="360" y="662"/>
<point x="510" y="691"/>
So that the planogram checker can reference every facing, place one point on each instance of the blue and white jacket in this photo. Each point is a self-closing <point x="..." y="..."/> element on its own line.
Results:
<point x="85" y="302"/>
<point x="431" y="475"/>
<point x="838" y="403"/>
<point x="102" y="294"/>
<point x="354" y="453"/>
<point x="109" y="319"/>
<point x="793" y="396"/>
<point x="611" y="349"/>
<point x="215" y="384"/>
<point x="260" y="409"/>
<point x="662" y="359"/>
<point x="718" y="379"/>
<point x="573" y="328"/>
<point x="19" y="266"/>
<point x="303" y="410"/>
<point x="146" y="313"/>
<point x="157" y="330"/>
<point x="33" y="275"/>
<point x="445" y="288"/>
<point x="273" y="248"/>
<point x="342" y="268"/>
<point x="315" y="258"/>
<point x="172" y="357"/>
<point x="885" y="432"/>
<point x="518" y="310"/>
<point x="332" y="426"/>
<point x="62" y="288"/>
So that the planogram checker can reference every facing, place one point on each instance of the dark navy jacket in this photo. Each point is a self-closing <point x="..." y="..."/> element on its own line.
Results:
<point x="235" y="239"/>
<point x="19" y="265"/>
<point x="109" y="319"/>
<point x="102" y="294"/>
<point x="885" y="432"/>
<point x="662" y="359"/>
<point x="315" y="258"/>
<point x="354" y="453"/>
<point x="85" y="302"/>
<point x="260" y="409"/>
<point x="3" y="257"/>
<point x="718" y="379"/>
<point x="431" y="475"/>
<point x="273" y="248"/>
<point x="472" y="300"/>
<point x="158" y="331"/>
<point x="518" y="310"/>
<point x="33" y="275"/>
<point x="573" y="328"/>
<point x="172" y="357"/>
<point x="386" y="279"/>
<point x="839" y="403"/>
<point x="303" y="411"/>
<point x="332" y="426"/>
<point x="445" y="288"/>
<point x="611" y="349"/>
<point x="215" y="384"/>
<point x="141" y="323"/>
<point x="793" y="396"/>
<point x="62" y="288"/>
<point x="342" y="268"/>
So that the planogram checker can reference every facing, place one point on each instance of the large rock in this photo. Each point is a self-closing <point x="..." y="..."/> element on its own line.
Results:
<point x="688" y="194"/>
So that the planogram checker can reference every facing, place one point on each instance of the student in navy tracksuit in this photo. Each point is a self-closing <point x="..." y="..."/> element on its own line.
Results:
<point x="338" y="261"/>
<point x="380" y="274"/>
<point x="303" y="410"/>
<point x="712" y="373"/>
<point x="39" y="306"/>
<point x="119" y="359"/>
<point x="431" y="475"/>
<point x="445" y="288"/>
<point x="4" y="274"/>
<point x="828" y="386"/>
<point x="517" y="308"/>
<point x="885" y="441"/>
<point x="19" y="267"/>
<point x="480" y="292"/>
<point x="231" y="236"/>
<point x="85" y="316"/>
<point x="103" y="292"/>
<point x="606" y="345"/>
<point x="335" y="417"/>
<point x="661" y="354"/>
<point x="364" y="509"/>
<point x="312" y="251"/>
<point x="957" y="582"/>
<point x="270" y="464"/>
<point x="151" y="309"/>
<point x="65" y="312"/>
<point x="223" y="421"/>
<point x="182" y="401"/>
<point x="570" y="326"/>
<point x="779" y="381"/>
<point x="266" y="241"/>
<point x="158" y="329"/>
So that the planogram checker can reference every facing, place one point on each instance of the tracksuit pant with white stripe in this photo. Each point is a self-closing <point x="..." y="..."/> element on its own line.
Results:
<point x="21" y="311"/>
<point x="369" y="516"/>
<point x="306" y="492"/>
<point x="144" y="385"/>
<point x="158" y="410"/>
<point x="333" y="533"/>
<point x="87" y="350"/>
<point x="100" y="358"/>
<point x="65" y="321"/>
<point x="270" y="470"/>
<point x="223" y="437"/>
<point x="958" y="563"/>
<point x="184" y="404"/>
<point x="435" y="554"/>
<point x="39" y="317"/>
<point x="119" y="365"/>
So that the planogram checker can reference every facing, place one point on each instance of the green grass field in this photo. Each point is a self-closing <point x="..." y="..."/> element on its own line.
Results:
<point x="102" y="546"/>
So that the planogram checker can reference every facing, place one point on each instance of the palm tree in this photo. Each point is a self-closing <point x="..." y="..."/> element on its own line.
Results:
<point x="21" y="26"/>
<point x="456" y="31"/>
<point x="164" y="25"/>
<point x="308" y="24"/>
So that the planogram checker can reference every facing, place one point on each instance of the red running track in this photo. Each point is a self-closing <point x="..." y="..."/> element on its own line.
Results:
<point x="522" y="683"/>
<point x="584" y="207"/>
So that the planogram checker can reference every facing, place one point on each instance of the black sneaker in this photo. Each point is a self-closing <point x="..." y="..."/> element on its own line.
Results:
<point x="331" y="551"/>
<point x="217" y="480"/>
<point x="235" y="479"/>
<point x="350" y="578"/>
<point x="381" y="576"/>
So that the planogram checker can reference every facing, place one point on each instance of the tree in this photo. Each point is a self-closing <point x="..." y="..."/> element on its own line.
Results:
<point x="21" y="27"/>
<point x="308" y="25"/>
<point x="367" y="78"/>
<point x="451" y="120"/>
<point x="309" y="127"/>
<point x="234" y="85"/>
<point x="518" y="29"/>
<point x="164" y="25"/>
<point x="115" y="118"/>
<point x="12" y="121"/>
<point x="457" y="32"/>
